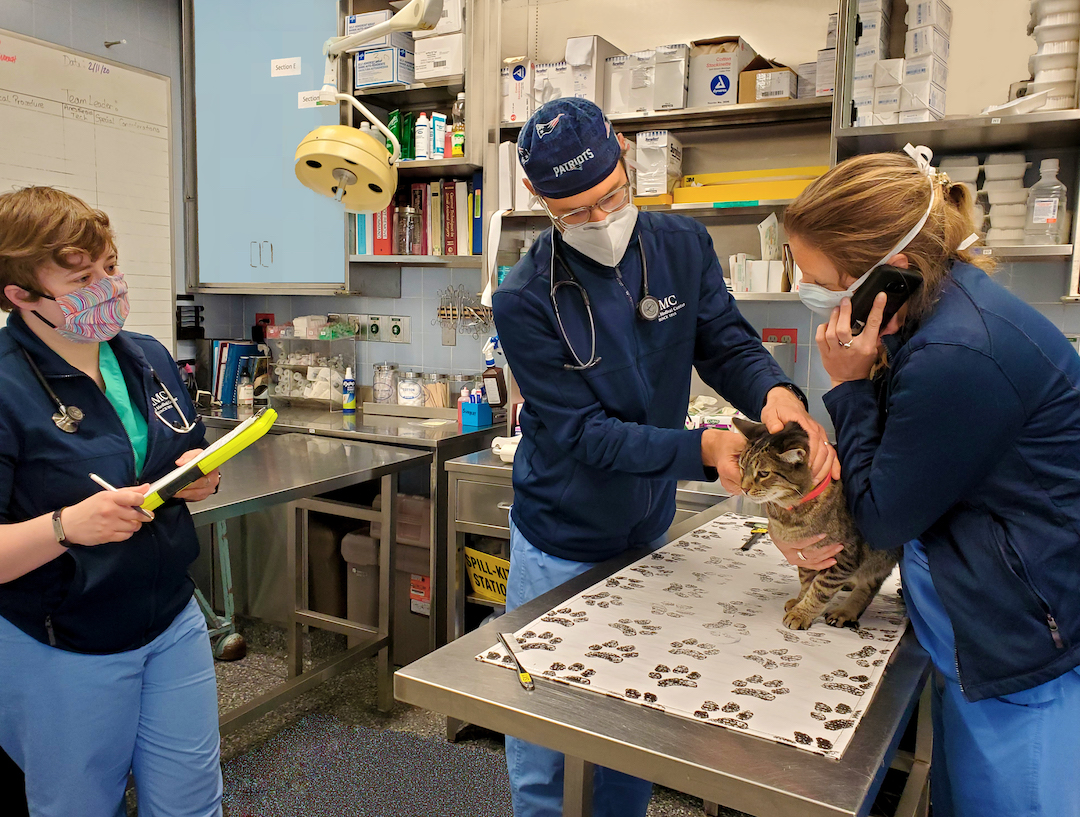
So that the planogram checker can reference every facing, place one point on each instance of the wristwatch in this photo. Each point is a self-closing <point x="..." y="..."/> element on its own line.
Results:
<point x="58" y="529"/>
<point x="791" y="387"/>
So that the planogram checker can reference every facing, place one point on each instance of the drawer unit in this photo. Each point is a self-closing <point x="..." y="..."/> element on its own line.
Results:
<point x="484" y="503"/>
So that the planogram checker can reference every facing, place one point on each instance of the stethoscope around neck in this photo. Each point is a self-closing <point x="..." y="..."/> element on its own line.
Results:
<point x="648" y="307"/>
<point x="67" y="418"/>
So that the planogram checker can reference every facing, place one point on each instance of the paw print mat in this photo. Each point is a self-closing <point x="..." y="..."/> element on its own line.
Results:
<point x="696" y="629"/>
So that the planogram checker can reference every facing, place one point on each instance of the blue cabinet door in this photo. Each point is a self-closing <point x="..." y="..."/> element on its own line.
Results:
<point x="257" y="224"/>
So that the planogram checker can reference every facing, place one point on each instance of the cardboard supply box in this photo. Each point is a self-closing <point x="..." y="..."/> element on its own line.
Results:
<point x="715" y="65"/>
<point x="438" y="57"/>
<point x="552" y="80"/>
<point x="659" y="158"/>
<point x="923" y="96"/>
<point x="875" y="26"/>
<point x="911" y="117"/>
<point x="887" y="99"/>
<point x="807" y="72"/>
<point x="517" y="91"/>
<point x="747" y="192"/>
<point x="867" y="6"/>
<point x="862" y="80"/>
<point x="670" y="77"/>
<point x="889" y="72"/>
<point x="869" y="52"/>
<point x="826" y="71"/>
<point x="355" y="23"/>
<point x="587" y="57"/>
<point x="778" y="174"/>
<point x="886" y="119"/>
<point x="928" y="67"/>
<point x="451" y="21"/>
<point x="617" y="85"/>
<point x="929" y="13"/>
<point x="764" y="79"/>
<point x="374" y="67"/>
<point x="926" y="40"/>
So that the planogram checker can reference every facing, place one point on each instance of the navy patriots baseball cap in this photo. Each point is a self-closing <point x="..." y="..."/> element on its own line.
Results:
<point x="566" y="147"/>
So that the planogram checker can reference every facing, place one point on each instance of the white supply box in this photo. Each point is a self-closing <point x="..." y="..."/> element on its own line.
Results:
<point x="869" y="52"/>
<point x="886" y="119"/>
<point x="826" y="71"/>
<point x="587" y="57"/>
<point x="926" y="40"/>
<point x="659" y="158"/>
<point x="355" y="23"/>
<point x="862" y="80"/>
<point x="923" y="96"/>
<point x="672" y="71"/>
<point x="887" y="99"/>
<point x="928" y="67"/>
<point x="929" y="13"/>
<point x="715" y="65"/>
<point x="911" y="117"/>
<point x="374" y="67"/>
<point x="617" y="85"/>
<point x="889" y="72"/>
<point x="866" y="6"/>
<point x="776" y="85"/>
<point x="438" y="57"/>
<point x="552" y="80"/>
<point x="507" y="160"/>
<point x="450" y="22"/>
<point x="875" y="26"/>
<point x="640" y="70"/>
<point x="517" y="91"/>
<point x="807" y="72"/>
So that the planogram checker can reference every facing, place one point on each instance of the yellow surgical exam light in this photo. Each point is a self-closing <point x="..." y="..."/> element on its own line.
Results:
<point x="346" y="164"/>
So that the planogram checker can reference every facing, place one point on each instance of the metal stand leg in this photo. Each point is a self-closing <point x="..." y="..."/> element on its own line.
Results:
<point x="227" y="644"/>
<point x="453" y="726"/>
<point x="296" y="533"/>
<point x="577" y="787"/>
<point x="387" y="547"/>
<point x="711" y="809"/>
<point x="915" y="800"/>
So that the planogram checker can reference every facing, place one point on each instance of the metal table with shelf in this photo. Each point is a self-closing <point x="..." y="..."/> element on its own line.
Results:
<point x="718" y="765"/>
<point x="292" y="470"/>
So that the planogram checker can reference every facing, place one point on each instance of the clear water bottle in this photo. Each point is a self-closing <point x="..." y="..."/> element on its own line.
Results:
<point x="1046" y="207"/>
<point x="457" y="144"/>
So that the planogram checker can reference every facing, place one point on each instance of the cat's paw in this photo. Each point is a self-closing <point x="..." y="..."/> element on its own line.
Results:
<point x="790" y="603"/>
<point x="841" y="618"/>
<point x="797" y="619"/>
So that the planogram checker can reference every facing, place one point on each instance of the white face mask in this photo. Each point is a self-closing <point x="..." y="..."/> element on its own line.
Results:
<point x="824" y="301"/>
<point x="605" y="241"/>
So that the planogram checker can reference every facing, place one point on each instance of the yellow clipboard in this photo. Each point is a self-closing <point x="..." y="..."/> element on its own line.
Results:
<point x="223" y="450"/>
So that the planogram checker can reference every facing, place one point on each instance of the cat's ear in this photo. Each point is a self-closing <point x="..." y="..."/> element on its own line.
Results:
<point x="749" y="429"/>
<point x="795" y="456"/>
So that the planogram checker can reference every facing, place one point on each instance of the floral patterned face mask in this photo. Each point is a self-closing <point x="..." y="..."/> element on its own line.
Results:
<point x="95" y="313"/>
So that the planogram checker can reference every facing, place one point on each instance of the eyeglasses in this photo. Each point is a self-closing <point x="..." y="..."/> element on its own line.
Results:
<point x="614" y="201"/>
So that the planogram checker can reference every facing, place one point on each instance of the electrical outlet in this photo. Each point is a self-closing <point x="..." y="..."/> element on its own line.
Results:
<point x="375" y="327"/>
<point x="359" y="325"/>
<point x="400" y="329"/>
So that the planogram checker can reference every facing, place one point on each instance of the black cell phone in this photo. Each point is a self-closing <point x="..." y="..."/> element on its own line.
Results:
<point x="898" y="284"/>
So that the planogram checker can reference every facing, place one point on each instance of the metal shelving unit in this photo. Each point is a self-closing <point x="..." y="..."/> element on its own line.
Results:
<point x="466" y="261"/>
<point x="714" y="117"/>
<point x="1042" y="252"/>
<point x="435" y="168"/>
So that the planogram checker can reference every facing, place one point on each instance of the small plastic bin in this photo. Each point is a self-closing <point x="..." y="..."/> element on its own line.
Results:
<point x="413" y="520"/>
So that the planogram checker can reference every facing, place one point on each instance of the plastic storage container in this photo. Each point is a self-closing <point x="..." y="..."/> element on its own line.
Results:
<point x="1005" y="166"/>
<point x="960" y="168"/>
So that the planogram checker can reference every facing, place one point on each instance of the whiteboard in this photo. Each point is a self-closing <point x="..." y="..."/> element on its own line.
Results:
<point x="100" y="131"/>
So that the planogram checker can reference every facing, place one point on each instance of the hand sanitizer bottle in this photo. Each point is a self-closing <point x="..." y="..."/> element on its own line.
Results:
<point x="348" y="393"/>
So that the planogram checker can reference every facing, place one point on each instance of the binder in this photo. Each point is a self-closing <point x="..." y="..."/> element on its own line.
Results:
<point x="435" y="221"/>
<point x="449" y="218"/>
<point x="462" y="217"/>
<point x="232" y="369"/>
<point x="478" y="213"/>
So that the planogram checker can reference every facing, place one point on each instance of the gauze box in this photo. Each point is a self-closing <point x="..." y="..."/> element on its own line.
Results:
<point x="889" y="72"/>
<point x="922" y="96"/>
<point x="928" y="67"/>
<point x="926" y="40"/>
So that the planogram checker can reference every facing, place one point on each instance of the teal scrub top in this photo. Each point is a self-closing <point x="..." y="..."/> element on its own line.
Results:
<point x="116" y="391"/>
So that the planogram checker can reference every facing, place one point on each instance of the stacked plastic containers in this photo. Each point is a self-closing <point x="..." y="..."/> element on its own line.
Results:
<point x="1004" y="189"/>
<point x="965" y="170"/>
<point x="1055" y="24"/>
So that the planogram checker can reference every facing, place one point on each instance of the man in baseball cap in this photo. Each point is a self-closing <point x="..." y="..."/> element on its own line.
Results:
<point x="602" y="323"/>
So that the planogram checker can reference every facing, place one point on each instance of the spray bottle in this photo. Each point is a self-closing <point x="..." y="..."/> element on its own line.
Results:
<point x="348" y="393"/>
<point x="494" y="381"/>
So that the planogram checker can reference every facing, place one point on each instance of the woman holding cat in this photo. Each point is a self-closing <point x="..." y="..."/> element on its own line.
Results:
<point x="958" y="427"/>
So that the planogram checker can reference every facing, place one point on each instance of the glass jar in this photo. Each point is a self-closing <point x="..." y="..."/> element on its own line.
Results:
<point x="455" y="385"/>
<point x="408" y="233"/>
<point x="384" y="383"/>
<point x="436" y="390"/>
<point x="410" y="389"/>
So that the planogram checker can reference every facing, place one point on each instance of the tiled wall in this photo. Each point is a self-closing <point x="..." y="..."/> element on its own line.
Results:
<point x="233" y="315"/>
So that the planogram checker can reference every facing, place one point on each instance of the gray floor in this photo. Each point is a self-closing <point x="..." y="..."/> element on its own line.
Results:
<point x="350" y="699"/>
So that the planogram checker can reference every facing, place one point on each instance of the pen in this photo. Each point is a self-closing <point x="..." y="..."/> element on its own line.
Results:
<point x="149" y="516"/>
<point x="523" y="676"/>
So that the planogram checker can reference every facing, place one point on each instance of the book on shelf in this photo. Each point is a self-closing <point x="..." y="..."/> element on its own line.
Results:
<point x="384" y="231"/>
<point x="477" y="213"/>
<point x="462" y="217"/>
<point x="449" y="217"/>
<point x="435" y="218"/>
<point x="350" y="219"/>
<point x="419" y="203"/>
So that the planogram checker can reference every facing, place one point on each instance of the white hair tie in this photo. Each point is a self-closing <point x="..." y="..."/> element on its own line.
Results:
<point x="922" y="156"/>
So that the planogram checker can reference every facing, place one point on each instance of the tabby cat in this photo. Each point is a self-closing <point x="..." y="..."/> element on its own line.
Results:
<point x="776" y="473"/>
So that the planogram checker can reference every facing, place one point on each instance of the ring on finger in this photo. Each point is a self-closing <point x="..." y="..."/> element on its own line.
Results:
<point x="845" y="345"/>
<point x="800" y="554"/>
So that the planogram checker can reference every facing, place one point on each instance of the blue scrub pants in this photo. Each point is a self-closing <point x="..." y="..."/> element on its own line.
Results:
<point x="77" y="724"/>
<point x="1015" y="756"/>
<point x="536" y="773"/>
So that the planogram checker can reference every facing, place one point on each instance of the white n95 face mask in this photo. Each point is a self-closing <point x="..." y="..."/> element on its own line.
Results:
<point x="605" y="242"/>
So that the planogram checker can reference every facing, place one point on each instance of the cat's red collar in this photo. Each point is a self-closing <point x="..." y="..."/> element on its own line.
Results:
<point x="818" y="491"/>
